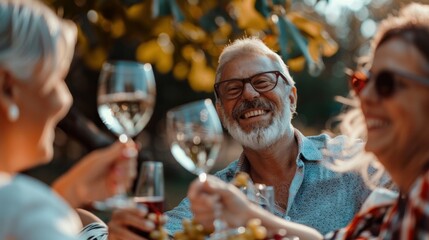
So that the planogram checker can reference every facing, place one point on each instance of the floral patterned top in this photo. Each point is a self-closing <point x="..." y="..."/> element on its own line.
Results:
<point x="403" y="218"/>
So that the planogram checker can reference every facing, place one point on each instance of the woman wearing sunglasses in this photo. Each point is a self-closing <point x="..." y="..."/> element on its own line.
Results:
<point x="394" y="102"/>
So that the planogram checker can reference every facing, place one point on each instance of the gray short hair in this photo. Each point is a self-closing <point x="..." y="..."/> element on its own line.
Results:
<point x="32" y="35"/>
<point x="250" y="45"/>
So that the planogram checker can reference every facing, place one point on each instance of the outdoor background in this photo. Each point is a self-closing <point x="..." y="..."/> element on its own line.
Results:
<point x="182" y="39"/>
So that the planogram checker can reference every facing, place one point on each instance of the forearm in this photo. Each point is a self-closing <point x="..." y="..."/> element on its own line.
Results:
<point x="273" y="224"/>
<point x="70" y="193"/>
<point x="87" y="217"/>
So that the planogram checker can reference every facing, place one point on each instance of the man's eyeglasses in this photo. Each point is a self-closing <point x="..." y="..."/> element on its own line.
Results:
<point x="261" y="82"/>
<point x="385" y="81"/>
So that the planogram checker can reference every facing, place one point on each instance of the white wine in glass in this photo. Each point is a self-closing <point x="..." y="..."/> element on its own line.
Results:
<point x="195" y="136"/>
<point x="126" y="98"/>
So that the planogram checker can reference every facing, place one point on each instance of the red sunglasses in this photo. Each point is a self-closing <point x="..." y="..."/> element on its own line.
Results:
<point x="386" y="82"/>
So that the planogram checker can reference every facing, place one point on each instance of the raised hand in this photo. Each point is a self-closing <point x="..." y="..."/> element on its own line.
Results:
<point x="98" y="174"/>
<point x="207" y="197"/>
<point x="124" y="219"/>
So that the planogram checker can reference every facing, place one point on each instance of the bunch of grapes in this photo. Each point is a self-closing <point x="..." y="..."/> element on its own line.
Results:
<point x="241" y="180"/>
<point x="255" y="231"/>
<point x="194" y="231"/>
<point x="191" y="231"/>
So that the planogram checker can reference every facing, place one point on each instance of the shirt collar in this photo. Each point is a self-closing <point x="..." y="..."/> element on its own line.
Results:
<point x="307" y="149"/>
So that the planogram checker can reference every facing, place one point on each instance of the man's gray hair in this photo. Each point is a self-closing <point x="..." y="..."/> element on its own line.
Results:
<point x="250" y="45"/>
<point x="34" y="38"/>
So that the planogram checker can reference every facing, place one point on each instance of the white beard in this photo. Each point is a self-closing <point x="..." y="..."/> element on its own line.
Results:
<point x="261" y="137"/>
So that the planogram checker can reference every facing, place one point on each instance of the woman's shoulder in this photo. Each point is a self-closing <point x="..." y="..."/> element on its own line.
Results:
<point x="31" y="206"/>
<point x="22" y="190"/>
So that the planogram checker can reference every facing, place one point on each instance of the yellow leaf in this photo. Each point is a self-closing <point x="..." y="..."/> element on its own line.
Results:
<point x="104" y="23"/>
<point x="135" y="11"/>
<point x="225" y="29"/>
<point x="117" y="28"/>
<point x="95" y="58"/>
<point x="329" y="46"/>
<point x="308" y="26"/>
<point x="213" y="50"/>
<point x="198" y="57"/>
<point x="195" y="11"/>
<point x="272" y="42"/>
<point x="221" y="35"/>
<point x="187" y="52"/>
<point x="326" y="45"/>
<point x="180" y="71"/>
<point x="191" y="31"/>
<point x="296" y="64"/>
<point x="164" y="25"/>
<point x="165" y="43"/>
<point x="314" y="49"/>
<point x="164" y="62"/>
<point x="201" y="77"/>
<point x="148" y="51"/>
<point x="247" y="16"/>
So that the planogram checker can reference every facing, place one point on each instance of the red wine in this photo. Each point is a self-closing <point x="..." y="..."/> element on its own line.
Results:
<point x="154" y="205"/>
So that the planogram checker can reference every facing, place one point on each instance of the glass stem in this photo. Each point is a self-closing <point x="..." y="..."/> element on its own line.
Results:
<point x="202" y="177"/>
<point x="123" y="138"/>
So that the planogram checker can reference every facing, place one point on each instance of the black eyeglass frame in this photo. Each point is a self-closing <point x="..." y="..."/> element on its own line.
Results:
<point x="249" y="80"/>
<point x="368" y="75"/>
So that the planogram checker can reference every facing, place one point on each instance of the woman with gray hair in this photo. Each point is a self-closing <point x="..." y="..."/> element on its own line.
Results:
<point x="36" y="48"/>
<point x="394" y="101"/>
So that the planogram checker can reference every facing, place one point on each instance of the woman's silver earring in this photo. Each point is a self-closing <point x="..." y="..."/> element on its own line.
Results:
<point x="13" y="112"/>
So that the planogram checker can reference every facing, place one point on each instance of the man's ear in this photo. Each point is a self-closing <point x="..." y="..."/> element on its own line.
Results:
<point x="7" y="103"/>
<point x="293" y="98"/>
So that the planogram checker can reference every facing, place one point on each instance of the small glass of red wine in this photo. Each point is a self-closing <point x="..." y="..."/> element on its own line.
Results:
<point x="150" y="190"/>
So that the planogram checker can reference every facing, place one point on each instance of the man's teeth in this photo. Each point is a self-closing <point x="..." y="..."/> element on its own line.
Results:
<point x="375" y="123"/>
<point x="254" y="113"/>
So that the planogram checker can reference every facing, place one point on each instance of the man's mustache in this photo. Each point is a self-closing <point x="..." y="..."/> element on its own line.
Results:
<point x="257" y="103"/>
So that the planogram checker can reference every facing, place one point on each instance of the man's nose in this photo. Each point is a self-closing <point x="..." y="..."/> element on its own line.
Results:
<point x="249" y="92"/>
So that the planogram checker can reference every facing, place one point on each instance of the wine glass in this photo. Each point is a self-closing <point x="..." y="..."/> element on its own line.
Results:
<point x="195" y="134"/>
<point x="265" y="197"/>
<point x="126" y="98"/>
<point x="150" y="191"/>
<point x="150" y="187"/>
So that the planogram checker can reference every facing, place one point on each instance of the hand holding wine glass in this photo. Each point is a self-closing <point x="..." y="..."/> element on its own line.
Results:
<point x="126" y="98"/>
